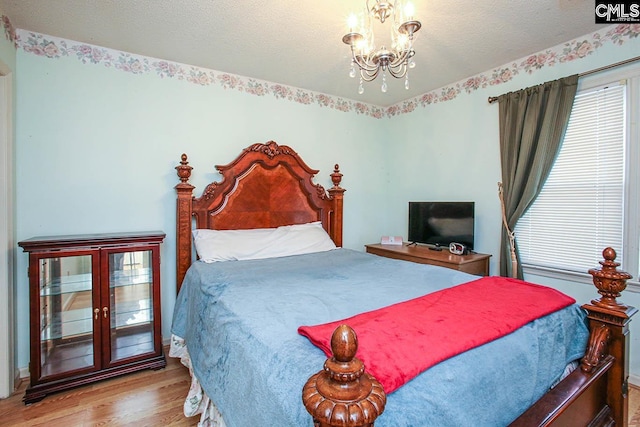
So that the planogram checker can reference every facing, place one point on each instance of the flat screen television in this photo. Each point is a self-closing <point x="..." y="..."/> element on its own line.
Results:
<point x="441" y="223"/>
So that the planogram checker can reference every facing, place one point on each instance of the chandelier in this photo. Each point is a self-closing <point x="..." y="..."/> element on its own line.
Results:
<point x="398" y="58"/>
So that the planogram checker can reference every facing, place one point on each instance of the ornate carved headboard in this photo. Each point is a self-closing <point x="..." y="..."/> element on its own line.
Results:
<point x="268" y="185"/>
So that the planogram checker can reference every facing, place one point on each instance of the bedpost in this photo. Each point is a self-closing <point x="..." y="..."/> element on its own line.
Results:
<point x="609" y="325"/>
<point x="343" y="394"/>
<point x="183" y="220"/>
<point x="337" y="194"/>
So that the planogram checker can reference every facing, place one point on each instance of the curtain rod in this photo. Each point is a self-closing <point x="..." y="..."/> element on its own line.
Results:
<point x="493" y="99"/>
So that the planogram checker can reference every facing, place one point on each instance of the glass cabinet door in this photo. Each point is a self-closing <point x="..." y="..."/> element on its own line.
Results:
<point x="66" y="314"/>
<point x="131" y="304"/>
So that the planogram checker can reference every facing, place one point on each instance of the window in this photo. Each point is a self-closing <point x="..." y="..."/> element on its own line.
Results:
<point x="590" y="200"/>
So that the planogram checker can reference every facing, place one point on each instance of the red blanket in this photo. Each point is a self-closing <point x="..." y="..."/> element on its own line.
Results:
<point x="400" y="341"/>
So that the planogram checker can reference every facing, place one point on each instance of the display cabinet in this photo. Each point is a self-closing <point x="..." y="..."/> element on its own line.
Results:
<point x="94" y="308"/>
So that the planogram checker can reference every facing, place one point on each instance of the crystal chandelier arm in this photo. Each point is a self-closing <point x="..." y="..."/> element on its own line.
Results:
<point x="398" y="71"/>
<point x="369" y="76"/>
<point x="398" y="68"/>
<point x="364" y="64"/>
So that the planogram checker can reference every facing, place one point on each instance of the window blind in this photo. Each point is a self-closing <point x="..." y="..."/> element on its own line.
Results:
<point x="580" y="209"/>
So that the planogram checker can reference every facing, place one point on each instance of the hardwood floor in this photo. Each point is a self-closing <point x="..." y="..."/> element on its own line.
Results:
<point x="146" y="398"/>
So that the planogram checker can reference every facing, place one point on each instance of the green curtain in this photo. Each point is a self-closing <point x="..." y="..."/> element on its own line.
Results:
<point x="533" y="123"/>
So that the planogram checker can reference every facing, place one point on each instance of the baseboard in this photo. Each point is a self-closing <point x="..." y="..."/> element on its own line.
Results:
<point x="23" y="373"/>
<point x="634" y="380"/>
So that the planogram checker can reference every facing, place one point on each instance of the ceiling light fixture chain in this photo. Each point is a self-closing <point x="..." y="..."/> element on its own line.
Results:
<point x="371" y="61"/>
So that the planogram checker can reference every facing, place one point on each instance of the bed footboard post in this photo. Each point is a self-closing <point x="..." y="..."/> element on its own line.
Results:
<point x="337" y="194"/>
<point x="184" y="192"/>
<point x="607" y="313"/>
<point x="343" y="394"/>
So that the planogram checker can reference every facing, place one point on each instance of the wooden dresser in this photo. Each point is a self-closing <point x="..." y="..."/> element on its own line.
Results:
<point x="473" y="263"/>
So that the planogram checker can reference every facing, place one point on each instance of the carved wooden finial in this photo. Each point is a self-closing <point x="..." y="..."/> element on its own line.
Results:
<point x="184" y="170"/>
<point x="344" y="345"/>
<point x="609" y="280"/>
<point x="343" y="394"/>
<point x="336" y="176"/>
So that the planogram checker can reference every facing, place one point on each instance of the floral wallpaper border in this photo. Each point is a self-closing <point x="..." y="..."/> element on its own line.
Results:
<point x="570" y="51"/>
<point x="53" y="47"/>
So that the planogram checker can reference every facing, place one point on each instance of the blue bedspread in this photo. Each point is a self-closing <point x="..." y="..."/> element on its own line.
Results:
<point x="240" y="321"/>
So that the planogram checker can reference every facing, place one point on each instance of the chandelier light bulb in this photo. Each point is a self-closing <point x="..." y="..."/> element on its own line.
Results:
<point x="352" y="22"/>
<point x="409" y="11"/>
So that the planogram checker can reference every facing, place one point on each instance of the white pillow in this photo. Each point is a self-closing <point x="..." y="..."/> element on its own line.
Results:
<point x="228" y="245"/>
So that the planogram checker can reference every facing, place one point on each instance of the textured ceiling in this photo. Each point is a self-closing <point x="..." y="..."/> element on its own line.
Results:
<point x="298" y="43"/>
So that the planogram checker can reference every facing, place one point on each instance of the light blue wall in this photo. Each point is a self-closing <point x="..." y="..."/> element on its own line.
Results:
<point x="97" y="149"/>
<point x="448" y="152"/>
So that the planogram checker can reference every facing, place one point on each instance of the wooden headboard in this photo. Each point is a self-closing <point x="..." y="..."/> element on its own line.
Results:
<point x="267" y="186"/>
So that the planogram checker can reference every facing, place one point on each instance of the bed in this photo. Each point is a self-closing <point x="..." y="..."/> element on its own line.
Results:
<point x="236" y="323"/>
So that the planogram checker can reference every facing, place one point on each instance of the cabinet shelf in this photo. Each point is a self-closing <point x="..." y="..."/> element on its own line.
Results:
<point x="69" y="323"/>
<point x="94" y="308"/>
<point x="67" y="285"/>
<point x="83" y="282"/>
<point x="130" y="277"/>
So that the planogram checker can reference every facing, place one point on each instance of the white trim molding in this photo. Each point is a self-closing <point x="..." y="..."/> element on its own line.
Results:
<point x="7" y="369"/>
